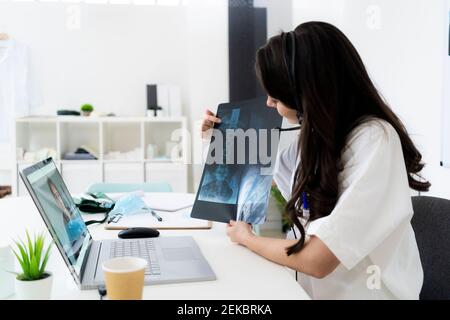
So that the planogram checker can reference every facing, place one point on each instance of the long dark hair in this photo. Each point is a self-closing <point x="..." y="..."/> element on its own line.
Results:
<point x="316" y="70"/>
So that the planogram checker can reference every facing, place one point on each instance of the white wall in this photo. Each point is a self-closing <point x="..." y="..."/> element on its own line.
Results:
<point x="402" y="42"/>
<point x="118" y="49"/>
<point x="208" y="78"/>
<point x="208" y="68"/>
<point x="446" y="114"/>
<point x="121" y="48"/>
<point x="278" y="16"/>
<point x="108" y="60"/>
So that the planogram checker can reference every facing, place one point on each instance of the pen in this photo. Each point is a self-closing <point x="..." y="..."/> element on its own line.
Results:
<point x="156" y="215"/>
<point x="305" y="205"/>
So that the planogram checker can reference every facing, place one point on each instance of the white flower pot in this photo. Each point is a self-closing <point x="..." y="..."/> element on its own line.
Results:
<point x="34" y="290"/>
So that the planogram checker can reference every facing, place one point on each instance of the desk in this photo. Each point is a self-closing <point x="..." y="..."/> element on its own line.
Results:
<point x="241" y="274"/>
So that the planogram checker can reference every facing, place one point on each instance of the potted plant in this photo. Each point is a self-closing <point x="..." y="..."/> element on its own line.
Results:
<point x="281" y="204"/>
<point x="34" y="282"/>
<point x="86" y="109"/>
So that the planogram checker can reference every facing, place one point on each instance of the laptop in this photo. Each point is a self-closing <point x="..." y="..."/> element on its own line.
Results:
<point x="170" y="259"/>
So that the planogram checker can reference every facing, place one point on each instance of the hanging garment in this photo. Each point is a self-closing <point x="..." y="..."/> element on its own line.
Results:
<point x="18" y="94"/>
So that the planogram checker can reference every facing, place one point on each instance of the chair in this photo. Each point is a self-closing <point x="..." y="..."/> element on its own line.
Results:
<point x="431" y="224"/>
<point x="130" y="187"/>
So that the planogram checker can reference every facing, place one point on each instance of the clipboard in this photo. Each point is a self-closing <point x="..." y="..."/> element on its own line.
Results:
<point x="172" y="219"/>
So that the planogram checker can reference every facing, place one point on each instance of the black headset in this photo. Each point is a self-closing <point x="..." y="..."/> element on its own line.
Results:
<point x="289" y="50"/>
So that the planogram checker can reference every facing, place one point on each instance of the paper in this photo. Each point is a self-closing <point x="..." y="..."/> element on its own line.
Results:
<point x="163" y="99"/>
<point x="169" y="201"/>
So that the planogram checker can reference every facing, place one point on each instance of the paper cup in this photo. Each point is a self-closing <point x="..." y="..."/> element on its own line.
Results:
<point x="124" y="278"/>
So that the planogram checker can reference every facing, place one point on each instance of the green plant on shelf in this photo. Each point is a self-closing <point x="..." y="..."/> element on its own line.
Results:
<point x="281" y="203"/>
<point x="32" y="257"/>
<point x="88" y="108"/>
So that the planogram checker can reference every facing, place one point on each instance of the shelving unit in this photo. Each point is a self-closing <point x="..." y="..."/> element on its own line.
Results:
<point x="34" y="135"/>
<point x="120" y="143"/>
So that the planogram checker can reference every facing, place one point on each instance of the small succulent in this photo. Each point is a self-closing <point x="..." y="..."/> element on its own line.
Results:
<point x="87" y="108"/>
<point x="32" y="258"/>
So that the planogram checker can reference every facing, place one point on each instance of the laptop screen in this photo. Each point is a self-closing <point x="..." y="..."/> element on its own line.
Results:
<point x="59" y="212"/>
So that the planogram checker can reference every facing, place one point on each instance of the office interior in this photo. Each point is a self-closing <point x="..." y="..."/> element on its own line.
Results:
<point x="127" y="58"/>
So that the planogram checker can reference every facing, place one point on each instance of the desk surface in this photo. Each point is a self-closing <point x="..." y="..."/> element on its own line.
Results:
<point x="241" y="274"/>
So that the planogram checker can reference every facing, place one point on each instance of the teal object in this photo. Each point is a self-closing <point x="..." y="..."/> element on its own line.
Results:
<point x="130" y="187"/>
<point x="128" y="205"/>
<point x="75" y="228"/>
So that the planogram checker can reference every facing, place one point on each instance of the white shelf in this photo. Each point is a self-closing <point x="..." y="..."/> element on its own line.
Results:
<point x="80" y="161"/>
<point x="105" y="135"/>
<point x="77" y="119"/>
<point x="122" y="161"/>
<point x="176" y="160"/>
<point x="24" y="162"/>
<point x="37" y="119"/>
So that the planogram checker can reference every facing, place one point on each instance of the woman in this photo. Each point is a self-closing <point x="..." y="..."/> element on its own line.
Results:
<point x="348" y="177"/>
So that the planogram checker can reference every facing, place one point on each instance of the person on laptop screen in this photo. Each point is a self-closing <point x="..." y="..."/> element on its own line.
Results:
<point x="73" y="225"/>
<point x="347" y="176"/>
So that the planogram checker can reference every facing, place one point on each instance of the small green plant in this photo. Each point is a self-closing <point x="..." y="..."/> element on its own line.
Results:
<point x="87" y="108"/>
<point x="32" y="258"/>
<point x="281" y="203"/>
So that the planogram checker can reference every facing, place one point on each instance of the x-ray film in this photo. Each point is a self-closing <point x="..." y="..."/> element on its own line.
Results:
<point x="237" y="176"/>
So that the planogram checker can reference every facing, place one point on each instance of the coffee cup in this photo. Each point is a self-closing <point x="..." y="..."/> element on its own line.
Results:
<point x="124" y="278"/>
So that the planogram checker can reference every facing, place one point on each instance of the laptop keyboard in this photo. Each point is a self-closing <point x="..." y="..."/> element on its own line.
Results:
<point x="142" y="248"/>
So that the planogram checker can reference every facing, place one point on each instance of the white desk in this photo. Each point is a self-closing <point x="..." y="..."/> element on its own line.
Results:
<point x="241" y="274"/>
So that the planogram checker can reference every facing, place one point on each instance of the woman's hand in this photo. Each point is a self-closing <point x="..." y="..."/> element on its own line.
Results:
<point x="239" y="232"/>
<point x="209" y="119"/>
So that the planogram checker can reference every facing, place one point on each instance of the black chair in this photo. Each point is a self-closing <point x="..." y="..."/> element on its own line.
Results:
<point x="431" y="224"/>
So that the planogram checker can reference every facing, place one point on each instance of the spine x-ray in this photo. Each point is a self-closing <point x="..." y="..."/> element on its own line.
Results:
<point x="237" y="176"/>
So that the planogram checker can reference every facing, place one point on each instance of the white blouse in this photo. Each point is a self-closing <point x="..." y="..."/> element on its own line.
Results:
<point x="369" y="230"/>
